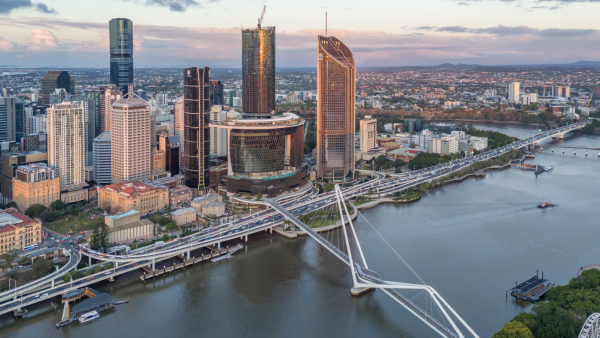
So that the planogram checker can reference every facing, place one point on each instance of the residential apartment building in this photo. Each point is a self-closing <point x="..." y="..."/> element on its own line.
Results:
<point x="443" y="145"/>
<point x="66" y="148"/>
<point x="35" y="183"/>
<point x="368" y="133"/>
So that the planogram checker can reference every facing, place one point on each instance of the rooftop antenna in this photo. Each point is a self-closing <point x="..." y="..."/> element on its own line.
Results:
<point x="262" y="15"/>
<point x="325" y="24"/>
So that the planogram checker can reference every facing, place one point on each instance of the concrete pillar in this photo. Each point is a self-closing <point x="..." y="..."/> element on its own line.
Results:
<point x="188" y="255"/>
<point x="153" y="263"/>
<point x="116" y="264"/>
<point x="90" y="261"/>
<point x="219" y="245"/>
<point x="53" y="283"/>
<point x="246" y="238"/>
<point x="271" y="230"/>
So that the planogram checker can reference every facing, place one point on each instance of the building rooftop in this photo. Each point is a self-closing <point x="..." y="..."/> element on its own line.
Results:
<point x="124" y="214"/>
<point x="133" y="188"/>
<point x="105" y="136"/>
<point x="133" y="225"/>
<point x="11" y="219"/>
<point x="131" y="101"/>
<point x="183" y="211"/>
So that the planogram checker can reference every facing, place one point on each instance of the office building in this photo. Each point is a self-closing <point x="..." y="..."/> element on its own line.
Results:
<point x="258" y="72"/>
<point x="109" y="96"/>
<point x="56" y="79"/>
<point x="368" y="134"/>
<point x="142" y="94"/>
<point x="562" y="91"/>
<point x="8" y="118"/>
<point x="412" y="126"/>
<point x="124" y="196"/>
<point x="218" y="136"/>
<point x="264" y="155"/>
<point x="130" y="140"/>
<point x="184" y="216"/>
<point x="336" y="88"/>
<point x="18" y="231"/>
<point x="36" y="124"/>
<point x="102" y="159"/>
<point x="35" y="183"/>
<point x="121" y="54"/>
<point x="217" y="93"/>
<point x="170" y="145"/>
<point x="443" y="145"/>
<point x="11" y="160"/>
<point x="33" y="142"/>
<point x="529" y="98"/>
<point x="196" y="143"/>
<point x="66" y="142"/>
<point x="514" y="92"/>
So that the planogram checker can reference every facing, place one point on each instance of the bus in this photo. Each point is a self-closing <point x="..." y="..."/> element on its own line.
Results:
<point x="30" y="247"/>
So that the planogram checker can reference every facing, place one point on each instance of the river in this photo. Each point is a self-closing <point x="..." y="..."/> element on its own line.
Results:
<point x="470" y="241"/>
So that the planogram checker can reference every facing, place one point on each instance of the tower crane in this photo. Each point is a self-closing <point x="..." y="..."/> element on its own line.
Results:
<point x="262" y="15"/>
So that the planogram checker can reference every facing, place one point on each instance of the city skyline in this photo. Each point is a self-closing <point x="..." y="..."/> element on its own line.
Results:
<point x="485" y="32"/>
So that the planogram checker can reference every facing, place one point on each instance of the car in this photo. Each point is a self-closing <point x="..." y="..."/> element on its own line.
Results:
<point x="136" y="264"/>
<point x="37" y="295"/>
<point x="91" y="278"/>
<point x="108" y="272"/>
<point x="45" y="294"/>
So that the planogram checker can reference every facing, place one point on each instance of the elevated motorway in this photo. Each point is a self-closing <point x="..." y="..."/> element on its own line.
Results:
<point x="266" y="219"/>
<point x="74" y="259"/>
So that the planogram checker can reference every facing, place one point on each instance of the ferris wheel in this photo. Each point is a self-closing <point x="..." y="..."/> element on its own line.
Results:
<point x="591" y="327"/>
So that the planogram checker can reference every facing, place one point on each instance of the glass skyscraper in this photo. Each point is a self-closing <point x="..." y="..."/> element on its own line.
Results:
<point x="336" y="119"/>
<point x="258" y="72"/>
<point x="196" y="118"/>
<point x="56" y="79"/>
<point x="121" y="53"/>
<point x="216" y="93"/>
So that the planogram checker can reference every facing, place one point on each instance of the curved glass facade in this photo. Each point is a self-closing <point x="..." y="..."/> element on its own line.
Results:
<point x="265" y="150"/>
<point x="121" y="53"/>
<point x="336" y="119"/>
<point x="196" y="110"/>
<point x="258" y="72"/>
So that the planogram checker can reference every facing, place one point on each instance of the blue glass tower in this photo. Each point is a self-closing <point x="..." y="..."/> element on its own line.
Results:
<point x="121" y="53"/>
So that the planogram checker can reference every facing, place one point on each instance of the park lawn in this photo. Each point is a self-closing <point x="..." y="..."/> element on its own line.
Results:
<point x="408" y="197"/>
<point x="362" y="202"/>
<point x="75" y="223"/>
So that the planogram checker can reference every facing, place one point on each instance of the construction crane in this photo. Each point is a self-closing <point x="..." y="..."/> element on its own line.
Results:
<point x="262" y="15"/>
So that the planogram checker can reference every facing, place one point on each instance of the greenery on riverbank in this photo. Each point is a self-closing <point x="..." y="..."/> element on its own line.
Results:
<point x="78" y="274"/>
<point x="590" y="128"/>
<point x="407" y="195"/>
<point x="425" y="160"/>
<point x="324" y="217"/>
<point x="564" y="312"/>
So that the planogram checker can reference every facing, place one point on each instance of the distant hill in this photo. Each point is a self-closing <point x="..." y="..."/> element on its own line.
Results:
<point x="492" y="68"/>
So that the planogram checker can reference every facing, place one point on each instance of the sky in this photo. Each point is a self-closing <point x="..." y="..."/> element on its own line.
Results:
<point x="182" y="33"/>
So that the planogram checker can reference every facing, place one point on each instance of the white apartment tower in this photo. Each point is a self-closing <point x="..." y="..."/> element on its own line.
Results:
<point x="130" y="139"/>
<point x="368" y="133"/>
<point x="66" y="142"/>
<point x="514" y="90"/>
<point x="102" y="161"/>
<point x="218" y="136"/>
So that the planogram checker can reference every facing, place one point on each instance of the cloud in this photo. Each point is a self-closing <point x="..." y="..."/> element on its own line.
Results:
<point x="6" y="45"/>
<point x="41" y="39"/>
<point x="504" y="31"/>
<point x="175" y="5"/>
<point x="7" y="6"/>
<point x="171" y="46"/>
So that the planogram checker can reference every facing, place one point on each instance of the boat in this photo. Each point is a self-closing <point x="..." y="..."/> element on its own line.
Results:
<point x="547" y="168"/>
<point x="88" y="317"/>
<point x="546" y="205"/>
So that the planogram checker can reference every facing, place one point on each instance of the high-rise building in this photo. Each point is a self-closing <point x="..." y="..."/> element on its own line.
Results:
<point x="178" y="115"/>
<point x="368" y="133"/>
<point x="216" y="93"/>
<point x="130" y="140"/>
<point x="336" y="88"/>
<point x="66" y="142"/>
<point x="56" y="79"/>
<point x="529" y="98"/>
<point x="170" y="145"/>
<point x="8" y="118"/>
<point x="218" y="136"/>
<point x="514" y="92"/>
<point x="196" y="158"/>
<point x="412" y="125"/>
<point x="109" y="95"/>
<point x="36" y="123"/>
<point x="121" y="53"/>
<point x="35" y="183"/>
<point x="258" y="72"/>
<point x="102" y="159"/>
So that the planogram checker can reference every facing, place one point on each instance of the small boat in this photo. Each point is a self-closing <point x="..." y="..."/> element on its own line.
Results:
<point x="88" y="317"/>
<point x="548" y="168"/>
<point x="546" y="205"/>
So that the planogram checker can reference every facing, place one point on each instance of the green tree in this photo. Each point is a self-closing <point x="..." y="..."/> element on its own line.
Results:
<point x="514" y="329"/>
<point x="35" y="210"/>
<point x="259" y="196"/>
<point x="42" y="266"/>
<point x="57" y="205"/>
<point x="24" y="260"/>
<point x="329" y="187"/>
<point x="95" y="239"/>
